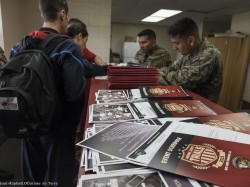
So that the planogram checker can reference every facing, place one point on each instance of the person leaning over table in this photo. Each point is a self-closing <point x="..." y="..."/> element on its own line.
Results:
<point x="150" y="54"/>
<point x="52" y="156"/>
<point x="200" y="69"/>
<point x="77" y="30"/>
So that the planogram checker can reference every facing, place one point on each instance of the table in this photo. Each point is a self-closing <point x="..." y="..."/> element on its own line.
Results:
<point x="95" y="85"/>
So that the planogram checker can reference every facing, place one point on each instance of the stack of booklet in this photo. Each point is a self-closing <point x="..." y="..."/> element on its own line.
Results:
<point x="202" y="152"/>
<point x="114" y="112"/>
<point x="113" y="171"/>
<point x="145" y="102"/>
<point x="142" y="93"/>
<point x="132" y="77"/>
<point x="159" y="136"/>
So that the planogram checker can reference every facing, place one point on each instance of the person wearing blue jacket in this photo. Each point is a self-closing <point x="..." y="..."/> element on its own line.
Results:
<point x="52" y="155"/>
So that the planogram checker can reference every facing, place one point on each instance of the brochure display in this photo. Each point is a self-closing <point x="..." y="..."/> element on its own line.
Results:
<point x="163" y="92"/>
<point x="192" y="150"/>
<point x="239" y="122"/>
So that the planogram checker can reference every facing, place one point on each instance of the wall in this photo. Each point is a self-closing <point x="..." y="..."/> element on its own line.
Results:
<point x="120" y="30"/>
<point x="12" y="22"/>
<point x="240" y="22"/>
<point x="20" y="19"/>
<point x="210" y="27"/>
<point x="1" y="27"/>
<point x="96" y="14"/>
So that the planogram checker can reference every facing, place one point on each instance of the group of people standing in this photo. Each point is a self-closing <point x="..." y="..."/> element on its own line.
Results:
<point x="53" y="155"/>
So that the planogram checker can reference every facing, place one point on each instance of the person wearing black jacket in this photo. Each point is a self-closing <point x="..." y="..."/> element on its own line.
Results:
<point x="52" y="155"/>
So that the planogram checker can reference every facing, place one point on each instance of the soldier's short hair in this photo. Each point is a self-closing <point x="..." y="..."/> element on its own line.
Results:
<point x="184" y="27"/>
<point x="149" y="33"/>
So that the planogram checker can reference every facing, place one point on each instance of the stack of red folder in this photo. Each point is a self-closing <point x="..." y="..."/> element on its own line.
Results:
<point x="132" y="77"/>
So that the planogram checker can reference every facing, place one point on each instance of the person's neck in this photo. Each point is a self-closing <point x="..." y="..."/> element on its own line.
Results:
<point x="52" y="26"/>
<point x="196" y="46"/>
<point x="152" y="49"/>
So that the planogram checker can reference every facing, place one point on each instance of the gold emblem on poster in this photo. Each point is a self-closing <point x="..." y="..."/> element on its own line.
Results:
<point x="180" y="108"/>
<point x="160" y="91"/>
<point x="203" y="156"/>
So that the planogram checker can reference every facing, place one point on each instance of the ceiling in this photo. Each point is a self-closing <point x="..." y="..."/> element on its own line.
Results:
<point x="133" y="11"/>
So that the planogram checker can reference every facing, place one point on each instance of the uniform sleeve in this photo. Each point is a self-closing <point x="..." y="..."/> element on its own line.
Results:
<point x="160" y="59"/>
<point x="191" y="73"/>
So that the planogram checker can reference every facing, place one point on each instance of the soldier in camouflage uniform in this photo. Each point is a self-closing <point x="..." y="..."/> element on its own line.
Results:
<point x="3" y="59"/>
<point x="150" y="54"/>
<point x="200" y="69"/>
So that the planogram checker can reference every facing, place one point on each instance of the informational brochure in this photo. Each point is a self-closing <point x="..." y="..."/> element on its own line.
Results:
<point x="119" y="96"/>
<point x="139" y="178"/>
<point x="110" y="113"/>
<point x="164" y="92"/>
<point x="124" y="179"/>
<point x="197" y="151"/>
<point x="181" y="108"/>
<point x="239" y="122"/>
<point x="119" y="112"/>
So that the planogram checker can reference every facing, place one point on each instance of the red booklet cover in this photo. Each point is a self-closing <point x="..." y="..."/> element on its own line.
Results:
<point x="181" y="108"/>
<point x="164" y="92"/>
<point x="239" y="122"/>
<point x="131" y="70"/>
<point x="129" y="85"/>
<point x="216" y="161"/>
<point x="133" y="78"/>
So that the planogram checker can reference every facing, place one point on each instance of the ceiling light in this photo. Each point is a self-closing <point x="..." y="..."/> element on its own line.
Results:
<point x="160" y="15"/>
<point x="152" y="19"/>
<point x="166" y="13"/>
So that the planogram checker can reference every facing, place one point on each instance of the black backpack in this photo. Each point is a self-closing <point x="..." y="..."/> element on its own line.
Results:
<point x="28" y="92"/>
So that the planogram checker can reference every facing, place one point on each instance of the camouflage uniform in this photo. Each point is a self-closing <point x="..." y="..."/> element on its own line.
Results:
<point x="3" y="59"/>
<point x="159" y="58"/>
<point x="200" y="72"/>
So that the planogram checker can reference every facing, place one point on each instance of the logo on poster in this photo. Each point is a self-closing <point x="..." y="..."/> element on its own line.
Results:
<point x="179" y="108"/>
<point x="203" y="156"/>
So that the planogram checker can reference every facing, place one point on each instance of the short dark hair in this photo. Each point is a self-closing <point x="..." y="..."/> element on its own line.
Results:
<point x="149" y="33"/>
<point x="184" y="27"/>
<point x="76" y="26"/>
<point x="50" y="8"/>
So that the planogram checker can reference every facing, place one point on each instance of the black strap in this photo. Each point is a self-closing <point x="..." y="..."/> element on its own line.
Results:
<point x="45" y="41"/>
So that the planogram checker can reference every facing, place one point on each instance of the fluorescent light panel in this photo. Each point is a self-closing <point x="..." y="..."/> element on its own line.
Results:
<point x="152" y="19"/>
<point x="160" y="15"/>
<point x="166" y="13"/>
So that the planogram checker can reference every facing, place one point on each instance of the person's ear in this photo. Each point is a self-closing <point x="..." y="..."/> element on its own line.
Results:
<point x="79" y="36"/>
<point x="62" y="15"/>
<point x="191" y="40"/>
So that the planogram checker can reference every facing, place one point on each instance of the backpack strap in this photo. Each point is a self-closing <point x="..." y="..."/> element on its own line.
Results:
<point x="45" y="42"/>
<point x="43" y="46"/>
